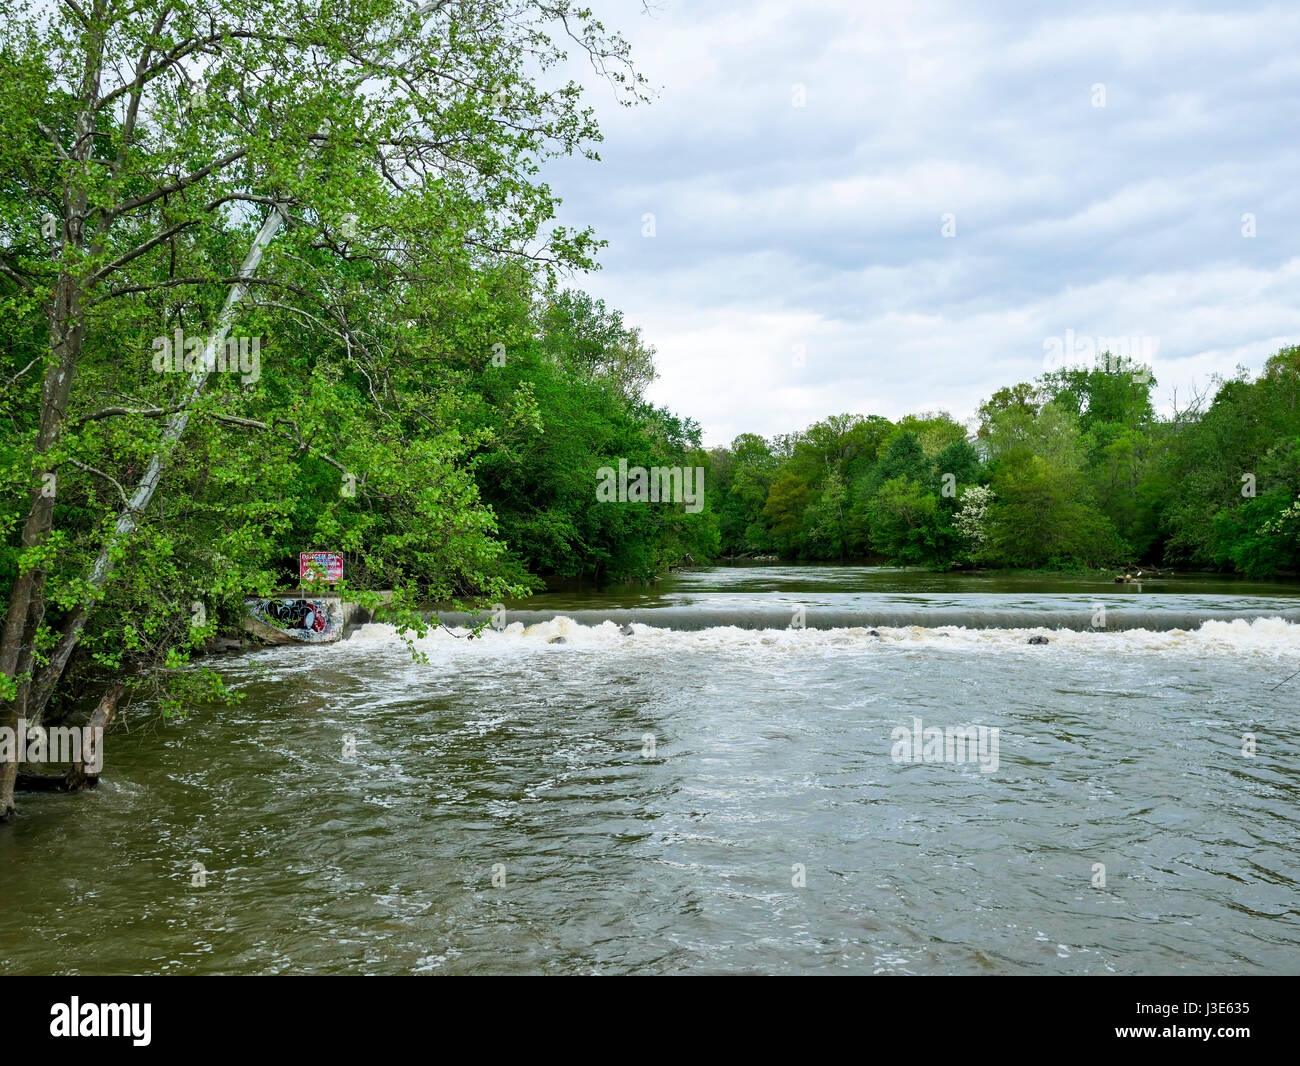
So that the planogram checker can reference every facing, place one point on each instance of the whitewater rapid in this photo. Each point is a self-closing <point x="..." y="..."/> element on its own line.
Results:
<point x="563" y="634"/>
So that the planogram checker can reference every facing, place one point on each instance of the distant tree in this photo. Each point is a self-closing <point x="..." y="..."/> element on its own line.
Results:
<point x="1116" y="390"/>
<point x="971" y="519"/>
<point x="905" y="521"/>
<point x="1020" y="402"/>
<point x="582" y="334"/>
<point x="960" y="460"/>
<point x="827" y="520"/>
<point x="787" y="502"/>
<point x="934" y="430"/>
<point x="1042" y="518"/>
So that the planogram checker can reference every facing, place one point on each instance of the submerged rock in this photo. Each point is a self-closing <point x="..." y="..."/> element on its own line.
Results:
<point x="557" y="640"/>
<point x="872" y="633"/>
<point x="1039" y="640"/>
<point x="220" y="645"/>
<point x="626" y="629"/>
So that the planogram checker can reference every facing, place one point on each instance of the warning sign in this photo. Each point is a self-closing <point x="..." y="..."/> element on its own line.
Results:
<point x="320" y="566"/>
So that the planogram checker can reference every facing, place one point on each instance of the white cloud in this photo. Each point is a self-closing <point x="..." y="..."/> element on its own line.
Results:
<point x="779" y="225"/>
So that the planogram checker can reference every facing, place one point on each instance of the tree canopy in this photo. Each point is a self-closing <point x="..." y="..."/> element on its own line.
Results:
<point x="1072" y="470"/>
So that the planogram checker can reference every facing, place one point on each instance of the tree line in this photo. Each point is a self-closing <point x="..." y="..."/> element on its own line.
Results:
<point x="1073" y="470"/>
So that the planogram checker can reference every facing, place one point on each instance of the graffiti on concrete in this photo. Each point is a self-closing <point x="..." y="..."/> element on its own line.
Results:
<point x="306" y="620"/>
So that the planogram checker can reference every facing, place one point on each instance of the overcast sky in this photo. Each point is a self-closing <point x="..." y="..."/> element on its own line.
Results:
<point x="798" y="266"/>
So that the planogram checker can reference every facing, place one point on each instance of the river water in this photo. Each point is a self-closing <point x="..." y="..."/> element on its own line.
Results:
<point x="710" y="793"/>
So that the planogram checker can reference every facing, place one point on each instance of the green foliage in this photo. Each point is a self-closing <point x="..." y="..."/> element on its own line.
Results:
<point x="401" y="153"/>
<point x="1260" y="537"/>
<point x="785" y="510"/>
<point x="1247" y="440"/>
<point x="1073" y="470"/>
<point x="1042" y="517"/>
<point x="739" y="480"/>
<point x="904" y="524"/>
<point x="427" y="399"/>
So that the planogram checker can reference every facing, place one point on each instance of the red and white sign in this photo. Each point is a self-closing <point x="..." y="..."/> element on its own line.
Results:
<point x="315" y="566"/>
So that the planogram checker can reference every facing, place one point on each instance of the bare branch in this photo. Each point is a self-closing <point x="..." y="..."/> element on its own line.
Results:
<point x="139" y="250"/>
<point x="115" y="412"/>
<point x="53" y="139"/>
<point x="177" y="184"/>
<point x="23" y="371"/>
<point x="107" y="477"/>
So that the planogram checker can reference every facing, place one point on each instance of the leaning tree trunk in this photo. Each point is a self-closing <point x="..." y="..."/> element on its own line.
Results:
<point x="129" y="517"/>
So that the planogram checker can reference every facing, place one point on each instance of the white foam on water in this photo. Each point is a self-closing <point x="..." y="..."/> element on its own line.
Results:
<point x="1271" y="636"/>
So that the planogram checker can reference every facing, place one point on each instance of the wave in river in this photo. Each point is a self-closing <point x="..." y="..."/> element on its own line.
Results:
<point x="1086" y="616"/>
<point x="1270" y="635"/>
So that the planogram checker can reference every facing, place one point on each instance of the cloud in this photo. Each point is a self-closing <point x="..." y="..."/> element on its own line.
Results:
<point x="780" y="225"/>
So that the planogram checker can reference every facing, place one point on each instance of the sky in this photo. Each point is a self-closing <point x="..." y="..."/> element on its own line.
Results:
<point x="879" y="208"/>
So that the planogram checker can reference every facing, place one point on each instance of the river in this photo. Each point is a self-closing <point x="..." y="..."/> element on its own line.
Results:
<point x="714" y="791"/>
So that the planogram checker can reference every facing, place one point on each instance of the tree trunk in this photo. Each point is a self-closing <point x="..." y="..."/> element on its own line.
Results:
<point x="128" y="518"/>
<point x="67" y="318"/>
<point x="76" y="778"/>
<point x="26" y="600"/>
<point x="98" y="726"/>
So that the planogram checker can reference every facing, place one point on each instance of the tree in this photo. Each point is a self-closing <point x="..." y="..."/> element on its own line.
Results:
<point x="1042" y="518"/>
<point x="827" y="520"/>
<point x="934" y="430"/>
<point x="343" y="176"/>
<point x="1238" y="450"/>
<point x="1014" y="406"/>
<point x="905" y="524"/>
<point x="1116" y="390"/>
<point x="971" y="520"/>
<point x="787" y="501"/>
<point x="739" y="481"/>
<point x="902" y="457"/>
<point x="583" y="335"/>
